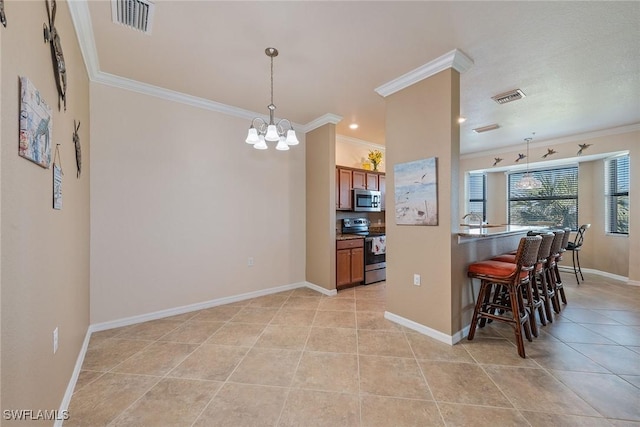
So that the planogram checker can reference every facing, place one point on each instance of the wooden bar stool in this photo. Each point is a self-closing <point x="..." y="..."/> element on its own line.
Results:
<point x="575" y="247"/>
<point x="563" y="249"/>
<point x="551" y="267"/>
<point x="496" y="276"/>
<point x="536" y="299"/>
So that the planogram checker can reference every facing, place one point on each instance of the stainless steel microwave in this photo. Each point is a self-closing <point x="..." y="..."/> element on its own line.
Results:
<point x="367" y="201"/>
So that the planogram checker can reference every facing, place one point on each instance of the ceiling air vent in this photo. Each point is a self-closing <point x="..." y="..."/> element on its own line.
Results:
<point x="513" y="95"/>
<point x="486" y="128"/>
<point x="135" y="14"/>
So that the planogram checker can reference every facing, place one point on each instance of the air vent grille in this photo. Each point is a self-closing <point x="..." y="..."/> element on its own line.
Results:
<point x="135" y="14"/>
<point x="510" y="96"/>
<point x="486" y="128"/>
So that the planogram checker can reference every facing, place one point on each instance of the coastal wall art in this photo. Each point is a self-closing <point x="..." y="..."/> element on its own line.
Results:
<point x="35" y="125"/>
<point x="416" y="192"/>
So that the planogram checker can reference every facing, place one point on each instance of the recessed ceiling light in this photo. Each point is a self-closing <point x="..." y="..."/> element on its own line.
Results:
<point x="353" y="126"/>
<point x="486" y="128"/>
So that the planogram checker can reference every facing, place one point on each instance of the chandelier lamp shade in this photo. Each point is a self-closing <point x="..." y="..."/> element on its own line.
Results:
<point x="281" y="131"/>
<point x="528" y="181"/>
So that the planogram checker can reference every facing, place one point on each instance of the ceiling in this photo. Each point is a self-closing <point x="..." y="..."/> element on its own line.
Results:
<point x="577" y="62"/>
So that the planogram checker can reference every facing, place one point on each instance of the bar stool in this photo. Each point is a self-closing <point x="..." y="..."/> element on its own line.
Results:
<point x="551" y="267"/>
<point x="563" y="249"/>
<point x="575" y="247"/>
<point x="495" y="276"/>
<point x="535" y="298"/>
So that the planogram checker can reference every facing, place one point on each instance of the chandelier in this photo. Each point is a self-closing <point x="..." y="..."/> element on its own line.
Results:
<point x="528" y="181"/>
<point x="282" y="131"/>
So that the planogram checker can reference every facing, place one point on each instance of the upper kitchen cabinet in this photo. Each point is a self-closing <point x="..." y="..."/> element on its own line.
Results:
<point x="365" y="180"/>
<point x="382" y="188"/>
<point x="344" y="185"/>
<point x="349" y="178"/>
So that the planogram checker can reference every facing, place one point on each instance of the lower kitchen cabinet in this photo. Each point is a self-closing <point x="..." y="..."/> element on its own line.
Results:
<point x="349" y="262"/>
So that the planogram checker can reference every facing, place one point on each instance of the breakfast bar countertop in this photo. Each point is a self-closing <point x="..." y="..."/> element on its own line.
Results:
<point x="467" y="232"/>
<point x="348" y="236"/>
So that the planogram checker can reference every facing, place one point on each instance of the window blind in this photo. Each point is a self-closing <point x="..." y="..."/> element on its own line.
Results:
<point x="477" y="202"/>
<point x="555" y="204"/>
<point x="617" y="195"/>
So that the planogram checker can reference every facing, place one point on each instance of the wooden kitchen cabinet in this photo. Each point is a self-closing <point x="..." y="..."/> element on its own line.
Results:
<point x="348" y="178"/>
<point x="359" y="179"/>
<point x="344" y="185"/>
<point x="349" y="262"/>
<point x="365" y="180"/>
<point x="382" y="187"/>
<point x="372" y="181"/>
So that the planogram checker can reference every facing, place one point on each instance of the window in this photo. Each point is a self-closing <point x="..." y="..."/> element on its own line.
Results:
<point x="617" y="194"/>
<point x="555" y="204"/>
<point x="477" y="202"/>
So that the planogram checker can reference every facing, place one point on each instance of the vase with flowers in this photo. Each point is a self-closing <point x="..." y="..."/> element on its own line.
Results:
<point x="375" y="157"/>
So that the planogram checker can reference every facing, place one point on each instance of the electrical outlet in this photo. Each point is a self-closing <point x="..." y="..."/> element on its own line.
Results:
<point x="416" y="279"/>
<point x="55" y="340"/>
<point x="250" y="261"/>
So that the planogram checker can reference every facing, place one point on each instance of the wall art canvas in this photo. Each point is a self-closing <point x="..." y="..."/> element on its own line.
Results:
<point x="35" y="125"/>
<point x="416" y="192"/>
<point x="57" y="187"/>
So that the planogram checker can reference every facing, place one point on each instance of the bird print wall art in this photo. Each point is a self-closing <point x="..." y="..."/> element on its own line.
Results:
<point x="520" y="157"/>
<point x="550" y="151"/>
<point x="582" y="148"/>
<point x="496" y="160"/>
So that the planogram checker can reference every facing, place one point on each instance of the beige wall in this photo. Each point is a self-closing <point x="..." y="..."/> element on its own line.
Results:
<point x="180" y="202"/>
<point x="45" y="252"/>
<point x="352" y="153"/>
<point x="320" y="207"/>
<point x="618" y="255"/>
<point x="421" y="123"/>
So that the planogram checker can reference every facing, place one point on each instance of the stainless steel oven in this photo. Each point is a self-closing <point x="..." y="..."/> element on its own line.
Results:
<point x="375" y="249"/>
<point x="375" y="258"/>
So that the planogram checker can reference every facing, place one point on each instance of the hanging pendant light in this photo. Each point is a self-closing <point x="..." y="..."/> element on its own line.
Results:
<point x="528" y="181"/>
<point x="281" y="131"/>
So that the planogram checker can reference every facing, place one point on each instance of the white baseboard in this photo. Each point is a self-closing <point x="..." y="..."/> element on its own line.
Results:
<point x="66" y="399"/>
<point x="195" y="307"/>
<point x="103" y="326"/>
<point x="601" y="273"/>
<point x="424" y="330"/>
<point x="325" y="291"/>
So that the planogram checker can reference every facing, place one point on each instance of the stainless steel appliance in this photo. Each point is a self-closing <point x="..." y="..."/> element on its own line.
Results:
<point x="367" y="201"/>
<point x="375" y="264"/>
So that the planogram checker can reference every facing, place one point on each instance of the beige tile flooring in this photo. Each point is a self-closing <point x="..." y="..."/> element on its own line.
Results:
<point x="299" y="358"/>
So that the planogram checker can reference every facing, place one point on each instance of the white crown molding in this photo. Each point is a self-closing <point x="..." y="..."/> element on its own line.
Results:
<point x="81" y="18"/>
<point x="454" y="59"/>
<point x="355" y="141"/>
<point x="548" y="142"/>
<point x="171" y="95"/>
<point x="84" y="32"/>
<point x="321" y="121"/>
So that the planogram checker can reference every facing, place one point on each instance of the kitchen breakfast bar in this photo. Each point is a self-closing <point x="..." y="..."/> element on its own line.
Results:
<point x="474" y="243"/>
<point x="517" y="274"/>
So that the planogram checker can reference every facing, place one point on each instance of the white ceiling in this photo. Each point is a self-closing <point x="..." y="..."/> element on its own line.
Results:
<point x="577" y="62"/>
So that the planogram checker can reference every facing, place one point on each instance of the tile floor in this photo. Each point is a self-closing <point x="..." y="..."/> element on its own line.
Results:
<point x="299" y="358"/>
